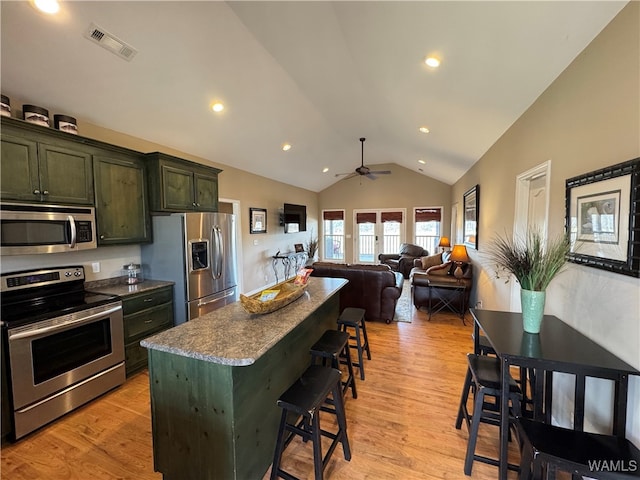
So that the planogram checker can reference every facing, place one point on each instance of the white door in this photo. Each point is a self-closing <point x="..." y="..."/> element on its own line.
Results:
<point x="532" y="212"/>
<point x="376" y="232"/>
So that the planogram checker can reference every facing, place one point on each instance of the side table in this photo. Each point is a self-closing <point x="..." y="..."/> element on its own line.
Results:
<point x="450" y="295"/>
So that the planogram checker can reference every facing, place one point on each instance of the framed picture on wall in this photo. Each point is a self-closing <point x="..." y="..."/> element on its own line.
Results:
<point x="602" y="212"/>
<point x="470" y="212"/>
<point x="257" y="220"/>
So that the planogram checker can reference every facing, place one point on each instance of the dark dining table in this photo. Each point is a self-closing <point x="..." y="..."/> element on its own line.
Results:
<point x="557" y="348"/>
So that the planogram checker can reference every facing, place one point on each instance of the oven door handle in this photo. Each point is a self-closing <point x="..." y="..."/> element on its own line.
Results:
<point x="62" y="326"/>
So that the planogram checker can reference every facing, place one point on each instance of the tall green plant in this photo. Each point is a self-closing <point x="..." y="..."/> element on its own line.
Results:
<point x="533" y="265"/>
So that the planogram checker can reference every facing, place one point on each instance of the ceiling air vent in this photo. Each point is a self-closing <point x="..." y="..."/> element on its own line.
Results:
<point x="103" y="38"/>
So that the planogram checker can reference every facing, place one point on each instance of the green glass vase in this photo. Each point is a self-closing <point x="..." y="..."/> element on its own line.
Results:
<point x="532" y="309"/>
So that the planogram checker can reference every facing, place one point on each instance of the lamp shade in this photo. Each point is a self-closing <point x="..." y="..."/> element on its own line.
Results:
<point x="459" y="254"/>
<point x="444" y="242"/>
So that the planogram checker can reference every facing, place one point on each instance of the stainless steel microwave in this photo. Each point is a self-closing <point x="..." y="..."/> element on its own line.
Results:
<point x="30" y="228"/>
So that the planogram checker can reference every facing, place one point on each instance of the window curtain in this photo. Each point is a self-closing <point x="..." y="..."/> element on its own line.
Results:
<point x="366" y="217"/>
<point x="333" y="215"/>
<point x="391" y="217"/>
<point x="428" y="215"/>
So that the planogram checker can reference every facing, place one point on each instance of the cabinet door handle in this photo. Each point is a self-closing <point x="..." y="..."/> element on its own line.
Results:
<point x="148" y="321"/>
<point x="148" y="299"/>
<point x="36" y="192"/>
<point x="46" y="192"/>
<point x="101" y="237"/>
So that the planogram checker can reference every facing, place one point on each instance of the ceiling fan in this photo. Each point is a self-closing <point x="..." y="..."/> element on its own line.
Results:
<point x="362" y="170"/>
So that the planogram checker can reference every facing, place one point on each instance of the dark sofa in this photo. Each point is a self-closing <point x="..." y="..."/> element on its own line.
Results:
<point x="403" y="262"/>
<point x="376" y="288"/>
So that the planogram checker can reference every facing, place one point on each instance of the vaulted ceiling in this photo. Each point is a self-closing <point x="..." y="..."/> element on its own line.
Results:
<point x="316" y="75"/>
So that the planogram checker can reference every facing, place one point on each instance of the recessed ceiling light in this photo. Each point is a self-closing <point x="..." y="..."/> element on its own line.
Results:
<point x="325" y="169"/>
<point x="432" y="62"/>
<point x="217" y="107"/>
<point x="47" y="6"/>
<point x="422" y="162"/>
<point x="424" y="129"/>
<point x="286" y="147"/>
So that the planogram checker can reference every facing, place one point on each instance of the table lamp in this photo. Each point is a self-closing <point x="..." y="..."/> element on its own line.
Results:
<point x="459" y="256"/>
<point x="444" y="243"/>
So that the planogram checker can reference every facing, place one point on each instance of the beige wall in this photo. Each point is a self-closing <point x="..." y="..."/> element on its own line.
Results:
<point x="588" y="118"/>
<point x="402" y="189"/>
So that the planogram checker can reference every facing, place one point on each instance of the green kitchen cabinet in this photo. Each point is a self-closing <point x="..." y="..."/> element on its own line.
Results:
<point x="38" y="168"/>
<point x="144" y="314"/>
<point x="177" y="185"/>
<point x="122" y="208"/>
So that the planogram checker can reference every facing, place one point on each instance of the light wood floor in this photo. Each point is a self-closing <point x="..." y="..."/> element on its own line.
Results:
<point x="401" y="426"/>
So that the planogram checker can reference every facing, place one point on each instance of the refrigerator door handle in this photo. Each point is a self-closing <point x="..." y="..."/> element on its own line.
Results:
<point x="217" y="299"/>
<point x="216" y="234"/>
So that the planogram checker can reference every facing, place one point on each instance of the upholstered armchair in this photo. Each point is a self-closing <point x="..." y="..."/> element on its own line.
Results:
<point x="403" y="262"/>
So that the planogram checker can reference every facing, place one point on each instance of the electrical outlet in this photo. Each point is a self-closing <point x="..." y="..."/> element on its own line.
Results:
<point x="479" y="304"/>
<point x="95" y="267"/>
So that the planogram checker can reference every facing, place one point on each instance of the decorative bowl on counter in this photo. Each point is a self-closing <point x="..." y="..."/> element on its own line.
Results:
<point x="287" y="292"/>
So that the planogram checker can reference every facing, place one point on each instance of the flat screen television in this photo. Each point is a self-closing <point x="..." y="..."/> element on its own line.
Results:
<point x="294" y="218"/>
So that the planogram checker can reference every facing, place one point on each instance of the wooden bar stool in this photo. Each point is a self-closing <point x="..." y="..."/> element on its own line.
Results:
<point x="354" y="318"/>
<point x="303" y="400"/>
<point x="330" y="347"/>
<point x="483" y="376"/>
<point x="558" y="448"/>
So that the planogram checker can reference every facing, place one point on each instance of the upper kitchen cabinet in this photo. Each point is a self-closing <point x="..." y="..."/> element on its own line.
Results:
<point x="177" y="185"/>
<point x="39" y="165"/>
<point x="122" y="208"/>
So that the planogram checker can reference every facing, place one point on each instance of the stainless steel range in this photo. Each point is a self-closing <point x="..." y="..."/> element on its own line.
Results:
<point x="63" y="346"/>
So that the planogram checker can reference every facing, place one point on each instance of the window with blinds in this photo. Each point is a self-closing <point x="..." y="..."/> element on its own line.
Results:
<point x="333" y="235"/>
<point x="427" y="227"/>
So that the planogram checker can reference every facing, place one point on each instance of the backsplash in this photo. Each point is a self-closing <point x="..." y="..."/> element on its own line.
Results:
<point x="110" y="260"/>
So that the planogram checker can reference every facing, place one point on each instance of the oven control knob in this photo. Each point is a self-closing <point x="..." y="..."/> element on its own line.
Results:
<point x="77" y="273"/>
<point x="67" y="274"/>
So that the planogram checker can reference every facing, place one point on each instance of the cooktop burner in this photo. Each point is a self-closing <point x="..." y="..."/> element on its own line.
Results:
<point x="34" y="295"/>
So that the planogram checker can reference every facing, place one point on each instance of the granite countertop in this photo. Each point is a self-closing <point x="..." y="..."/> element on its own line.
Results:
<point x="116" y="286"/>
<point x="231" y="336"/>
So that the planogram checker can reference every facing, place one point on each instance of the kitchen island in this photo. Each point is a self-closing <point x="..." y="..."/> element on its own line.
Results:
<point x="215" y="380"/>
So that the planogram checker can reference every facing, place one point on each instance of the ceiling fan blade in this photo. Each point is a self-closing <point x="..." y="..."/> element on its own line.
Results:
<point x="340" y="174"/>
<point x="370" y="176"/>
<point x="382" y="172"/>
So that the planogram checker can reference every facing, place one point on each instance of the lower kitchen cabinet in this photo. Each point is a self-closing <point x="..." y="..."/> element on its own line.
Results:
<point x="144" y="314"/>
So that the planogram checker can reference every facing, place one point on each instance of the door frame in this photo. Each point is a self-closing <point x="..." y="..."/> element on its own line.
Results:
<point x="378" y="231"/>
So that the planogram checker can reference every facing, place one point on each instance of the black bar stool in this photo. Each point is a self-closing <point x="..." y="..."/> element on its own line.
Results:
<point x="580" y="453"/>
<point x="331" y="346"/>
<point x="483" y="375"/>
<point x="304" y="399"/>
<point x="352" y="317"/>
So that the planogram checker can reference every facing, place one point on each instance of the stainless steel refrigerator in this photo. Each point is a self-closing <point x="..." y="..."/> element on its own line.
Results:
<point x="197" y="251"/>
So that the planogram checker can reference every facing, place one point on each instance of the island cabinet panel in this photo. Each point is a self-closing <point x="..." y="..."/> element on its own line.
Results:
<point x="122" y="207"/>
<point x="216" y="421"/>
<point x="177" y="185"/>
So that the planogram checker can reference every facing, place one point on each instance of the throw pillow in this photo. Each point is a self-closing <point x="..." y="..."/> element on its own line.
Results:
<point x="431" y="261"/>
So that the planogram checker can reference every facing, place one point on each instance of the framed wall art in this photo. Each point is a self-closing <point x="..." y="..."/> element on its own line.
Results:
<point x="603" y="218"/>
<point x="471" y="207"/>
<point x="257" y="220"/>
